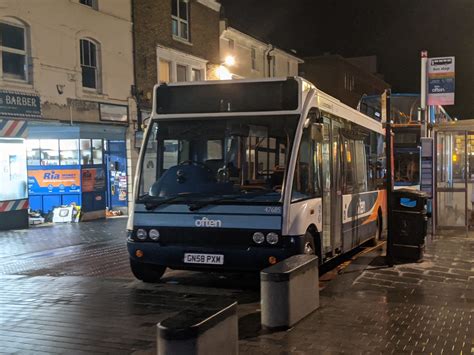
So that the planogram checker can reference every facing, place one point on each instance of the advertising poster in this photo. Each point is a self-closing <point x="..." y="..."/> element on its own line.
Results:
<point x="441" y="81"/>
<point x="54" y="181"/>
<point x="93" y="179"/>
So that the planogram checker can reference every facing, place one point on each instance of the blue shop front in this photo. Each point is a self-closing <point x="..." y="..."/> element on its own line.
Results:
<point x="80" y="164"/>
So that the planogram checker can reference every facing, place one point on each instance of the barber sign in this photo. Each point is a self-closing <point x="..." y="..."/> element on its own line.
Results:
<point x="441" y="83"/>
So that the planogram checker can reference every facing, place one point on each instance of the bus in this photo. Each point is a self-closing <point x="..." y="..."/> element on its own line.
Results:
<point x="407" y="130"/>
<point x="239" y="175"/>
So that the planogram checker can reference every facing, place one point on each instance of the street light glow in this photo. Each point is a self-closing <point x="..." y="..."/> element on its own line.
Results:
<point x="223" y="73"/>
<point x="230" y="60"/>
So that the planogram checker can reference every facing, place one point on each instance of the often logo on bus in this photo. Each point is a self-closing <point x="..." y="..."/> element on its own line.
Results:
<point x="206" y="222"/>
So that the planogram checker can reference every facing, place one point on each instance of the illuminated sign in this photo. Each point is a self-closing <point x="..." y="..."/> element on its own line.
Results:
<point x="54" y="181"/>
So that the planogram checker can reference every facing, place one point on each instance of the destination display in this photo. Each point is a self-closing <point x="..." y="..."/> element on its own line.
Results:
<point x="225" y="97"/>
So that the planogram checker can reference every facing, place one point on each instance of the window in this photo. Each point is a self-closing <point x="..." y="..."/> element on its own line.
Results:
<point x="361" y="166"/>
<point x="97" y="151"/>
<point x="49" y="151"/>
<point x="91" y="151"/>
<point x="69" y="151"/>
<point x="231" y="44"/>
<point x="307" y="178"/>
<point x="348" y="169"/>
<point x="13" y="52"/>
<point x="181" y="73"/>
<point x="164" y="71"/>
<point x="90" y="70"/>
<point x="91" y="3"/>
<point x="288" y="68"/>
<point x="349" y="82"/>
<point x="180" y="18"/>
<point x="33" y="152"/>
<point x="86" y="154"/>
<point x="196" y="75"/>
<point x="253" y="56"/>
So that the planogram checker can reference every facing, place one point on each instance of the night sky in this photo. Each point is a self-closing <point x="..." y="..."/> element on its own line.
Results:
<point x="395" y="31"/>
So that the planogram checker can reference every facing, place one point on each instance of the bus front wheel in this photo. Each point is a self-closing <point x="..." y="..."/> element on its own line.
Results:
<point x="147" y="272"/>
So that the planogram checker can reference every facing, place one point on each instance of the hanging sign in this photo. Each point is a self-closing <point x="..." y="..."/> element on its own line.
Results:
<point x="441" y="81"/>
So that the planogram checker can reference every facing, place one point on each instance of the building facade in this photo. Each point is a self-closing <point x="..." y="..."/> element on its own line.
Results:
<point x="245" y="56"/>
<point x="175" y="40"/>
<point x="346" y="79"/>
<point x="66" y="76"/>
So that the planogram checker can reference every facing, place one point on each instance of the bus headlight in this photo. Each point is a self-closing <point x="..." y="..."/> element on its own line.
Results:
<point x="272" y="238"/>
<point x="142" y="234"/>
<point x="154" y="234"/>
<point x="258" y="237"/>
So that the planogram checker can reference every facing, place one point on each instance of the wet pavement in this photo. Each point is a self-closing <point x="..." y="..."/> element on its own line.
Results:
<point x="68" y="289"/>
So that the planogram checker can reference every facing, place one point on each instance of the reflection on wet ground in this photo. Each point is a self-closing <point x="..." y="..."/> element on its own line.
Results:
<point x="69" y="289"/>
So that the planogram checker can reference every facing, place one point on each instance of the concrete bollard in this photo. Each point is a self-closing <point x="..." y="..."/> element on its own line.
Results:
<point x="202" y="330"/>
<point x="289" y="291"/>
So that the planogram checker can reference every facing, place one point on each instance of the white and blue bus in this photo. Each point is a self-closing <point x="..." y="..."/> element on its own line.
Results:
<point x="239" y="175"/>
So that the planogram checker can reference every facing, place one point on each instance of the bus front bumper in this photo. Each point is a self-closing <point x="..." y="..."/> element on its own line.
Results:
<point x="172" y="256"/>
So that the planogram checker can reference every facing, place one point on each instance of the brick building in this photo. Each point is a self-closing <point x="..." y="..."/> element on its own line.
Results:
<point x="346" y="79"/>
<point x="175" y="40"/>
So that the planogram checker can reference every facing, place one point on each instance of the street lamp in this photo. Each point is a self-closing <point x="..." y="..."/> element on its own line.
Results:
<point x="223" y="73"/>
<point x="229" y="61"/>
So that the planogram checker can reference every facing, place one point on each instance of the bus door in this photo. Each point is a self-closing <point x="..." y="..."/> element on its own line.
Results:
<point x="337" y="187"/>
<point x="350" y="197"/>
<point x="327" y="194"/>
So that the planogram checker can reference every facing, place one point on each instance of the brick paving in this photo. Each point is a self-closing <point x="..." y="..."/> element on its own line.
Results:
<point x="67" y="289"/>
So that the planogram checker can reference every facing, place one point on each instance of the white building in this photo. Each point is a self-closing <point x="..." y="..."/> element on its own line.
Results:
<point x="69" y="64"/>
<point x="247" y="57"/>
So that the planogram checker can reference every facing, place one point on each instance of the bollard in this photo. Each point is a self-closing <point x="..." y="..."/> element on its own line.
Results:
<point x="204" y="329"/>
<point x="289" y="291"/>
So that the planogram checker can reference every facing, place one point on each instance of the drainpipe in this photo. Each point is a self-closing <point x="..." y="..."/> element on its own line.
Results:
<point x="269" y="59"/>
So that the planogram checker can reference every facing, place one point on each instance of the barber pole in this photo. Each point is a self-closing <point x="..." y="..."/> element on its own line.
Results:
<point x="13" y="128"/>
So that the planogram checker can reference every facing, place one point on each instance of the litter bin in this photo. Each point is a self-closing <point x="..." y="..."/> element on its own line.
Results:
<point x="410" y="222"/>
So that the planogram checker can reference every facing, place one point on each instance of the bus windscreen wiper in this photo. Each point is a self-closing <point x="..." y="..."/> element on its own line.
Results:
<point x="198" y="205"/>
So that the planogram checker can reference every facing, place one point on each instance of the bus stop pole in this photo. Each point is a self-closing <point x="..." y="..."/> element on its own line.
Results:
<point x="390" y="172"/>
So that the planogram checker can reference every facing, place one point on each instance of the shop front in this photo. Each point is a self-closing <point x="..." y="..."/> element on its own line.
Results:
<point x="80" y="165"/>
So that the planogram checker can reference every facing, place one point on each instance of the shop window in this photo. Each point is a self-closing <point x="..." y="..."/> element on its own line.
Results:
<point x="97" y="152"/>
<point x="181" y="73"/>
<point x="180" y="18"/>
<point x="89" y="64"/>
<point x="86" y="152"/>
<point x="13" y="174"/>
<point x="13" y="48"/>
<point x="69" y="151"/>
<point x="33" y="152"/>
<point x="49" y="151"/>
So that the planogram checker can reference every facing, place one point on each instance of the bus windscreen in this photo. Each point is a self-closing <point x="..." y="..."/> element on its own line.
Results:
<point x="223" y="97"/>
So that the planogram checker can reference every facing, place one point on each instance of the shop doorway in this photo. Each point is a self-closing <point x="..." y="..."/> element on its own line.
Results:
<point x="117" y="181"/>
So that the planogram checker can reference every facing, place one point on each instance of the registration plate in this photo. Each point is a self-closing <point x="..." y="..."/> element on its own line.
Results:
<point x="210" y="259"/>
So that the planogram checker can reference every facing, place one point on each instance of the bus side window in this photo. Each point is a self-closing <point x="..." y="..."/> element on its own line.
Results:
<point x="361" y="166"/>
<point x="348" y="170"/>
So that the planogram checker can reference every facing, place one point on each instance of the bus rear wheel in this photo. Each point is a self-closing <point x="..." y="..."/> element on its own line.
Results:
<point x="378" y="232"/>
<point x="147" y="272"/>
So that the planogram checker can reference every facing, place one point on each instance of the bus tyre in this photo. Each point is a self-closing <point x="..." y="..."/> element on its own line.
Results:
<point x="378" y="231"/>
<point x="147" y="272"/>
